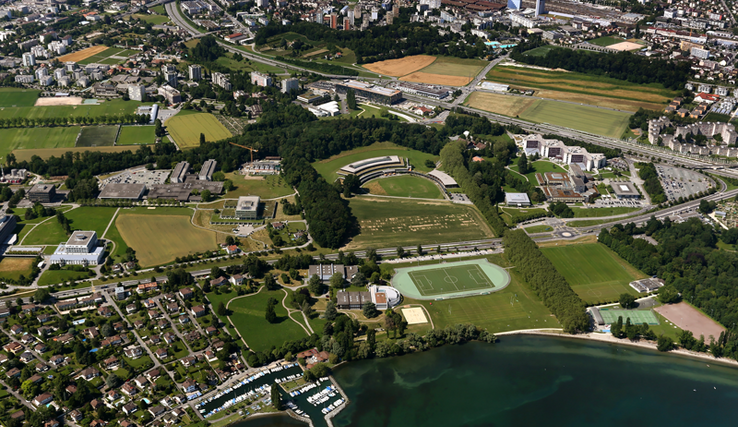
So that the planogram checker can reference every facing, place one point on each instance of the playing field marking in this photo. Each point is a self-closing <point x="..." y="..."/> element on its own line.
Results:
<point x="414" y="316"/>
<point x="481" y="275"/>
<point x="418" y="279"/>
<point x="451" y="279"/>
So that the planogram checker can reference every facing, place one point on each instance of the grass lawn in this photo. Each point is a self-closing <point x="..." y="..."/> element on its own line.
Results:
<point x="539" y="166"/>
<point x="269" y="187"/>
<point x="159" y="239"/>
<point x="96" y="136"/>
<point x="600" y="212"/>
<point x="452" y="66"/>
<point x="329" y="167"/>
<point x="594" y="272"/>
<point x="133" y="135"/>
<point x="538" y="229"/>
<point x="50" y="277"/>
<point x="404" y="186"/>
<point x="13" y="268"/>
<point x="18" y="97"/>
<point x="152" y="19"/>
<point x="35" y="138"/>
<point x="105" y="108"/>
<point x="515" y="307"/>
<point x="186" y="130"/>
<point x="260" y="335"/>
<point x="390" y="222"/>
<point x="580" y="117"/>
<point x="539" y="51"/>
<point x="84" y="218"/>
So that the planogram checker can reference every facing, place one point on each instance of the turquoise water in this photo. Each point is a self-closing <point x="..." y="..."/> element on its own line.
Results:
<point x="525" y="381"/>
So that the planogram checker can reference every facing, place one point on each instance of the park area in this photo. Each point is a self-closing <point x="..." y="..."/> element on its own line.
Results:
<point x="160" y="235"/>
<point x="387" y="222"/>
<point x="328" y="168"/>
<point x="266" y="187"/>
<point x="448" y="71"/>
<point x="16" y="97"/>
<point x="186" y="129"/>
<point x="598" y="121"/>
<point x="404" y="186"/>
<point x="33" y="139"/>
<point x="13" y="268"/>
<point x="248" y="315"/>
<point x="450" y="280"/>
<point x="136" y="135"/>
<point x="600" y="91"/>
<point x="593" y="271"/>
<point x="97" y="136"/>
<point x="50" y="232"/>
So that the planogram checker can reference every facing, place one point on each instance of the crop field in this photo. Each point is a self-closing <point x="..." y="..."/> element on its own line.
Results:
<point x="594" y="272"/>
<point x="45" y="153"/>
<point x="260" y="335"/>
<point x="587" y="119"/>
<point x="268" y="187"/>
<point x="136" y="135"/>
<point x="110" y="56"/>
<point x="512" y="106"/>
<point x="329" y="167"/>
<point x="97" y="136"/>
<point x="159" y="239"/>
<point x="390" y="222"/>
<point x="402" y="66"/>
<point x="186" y="130"/>
<point x="582" y="88"/>
<point x="104" y="108"/>
<point x="33" y="139"/>
<point x="13" y="268"/>
<point x="16" y="97"/>
<point x="430" y="69"/>
<point x="404" y="186"/>
<point x="82" y="54"/>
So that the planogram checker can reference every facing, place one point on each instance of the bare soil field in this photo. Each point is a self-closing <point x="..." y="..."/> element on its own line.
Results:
<point x="689" y="318"/>
<point x="317" y="52"/>
<point x="500" y="104"/>
<point x="625" y="46"/>
<point x="402" y="66"/>
<point x="57" y="101"/>
<point x="82" y="54"/>
<point x="437" y="79"/>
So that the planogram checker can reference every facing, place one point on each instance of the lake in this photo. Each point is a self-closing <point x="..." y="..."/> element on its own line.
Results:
<point x="527" y="380"/>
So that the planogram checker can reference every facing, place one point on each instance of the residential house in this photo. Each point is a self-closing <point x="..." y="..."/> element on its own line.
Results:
<point x="96" y="404"/>
<point x="133" y="352"/>
<point x="170" y="338"/>
<point x="237" y="279"/>
<point x="105" y="311"/>
<point x="76" y="415"/>
<point x="129" y="390"/>
<point x="157" y="410"/>
<point x="40" y="348"/>
<point x="13" y="347"/>
<point x="57" y="360"/>
<point x="220" y="281"/>
<point x="147" y="287"/>
<point x="89" y="373"/>
<point x="113" y="395"/>
<point x="189" y="386"/>
<point x="130" y="308"/>
<point x="161" y="353"/>
<point x="27" y="339"/>
<point x="211" y="330"/>
<point x="26" y="357"/>
<point x="141" y="382"/>
<point x="130" y="408"/>
<point x="199" y="311"/>
<point x="42" y="399"/>
<point x="16" y="329"/>
<point x="111" y="362"/>
<point x="13" y="373"/>
<point x="186" y="293"/>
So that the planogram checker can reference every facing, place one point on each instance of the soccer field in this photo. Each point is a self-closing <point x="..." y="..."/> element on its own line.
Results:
<point x="593" y="271"/>
<point x="15" y="97"/>
<point x="97" y="136"/>
<point x="453" y="279"/>
<point x="35" y="139"/>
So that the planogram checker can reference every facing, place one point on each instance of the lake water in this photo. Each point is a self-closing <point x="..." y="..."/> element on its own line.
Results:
<point x="525" y="381"/>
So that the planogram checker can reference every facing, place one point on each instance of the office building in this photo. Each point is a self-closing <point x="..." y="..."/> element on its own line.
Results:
<point x="248" y="207"/>
<point x="514" y="4"/>
<point x="7" y="227"/>
<point x="370" y="91"/>
<point x="171" y="78"/>
<point x="195" y="72"/>
<point x="288" y="85"/>
<point x="42" y="193"/>
<point x="179" y="172"/>
<point x="80" y="249"/>
<point x="540" y="7"/>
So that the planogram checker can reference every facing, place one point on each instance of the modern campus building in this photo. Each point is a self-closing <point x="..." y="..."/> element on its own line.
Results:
<point x="540" y="7"/>
<point x="367" y="165"/>
<point x="208" y="168"/>
<point x="625" y="190"/>
<point x="260" y="79"/>
<point x="180" y="172"/>
<point x="80" y="249"/>
<point x="517" y="199"/>
<point x="443" y="178"/>
<point x="248" y="207"/>
<point x="7" y="227"/>
<point x="423" y="90"/>
<point x="556" y="150"/>
<point x="383" y="297"/>
<point x="326" y="271"/>
<point x="370" y="91"/>
<point x="123" y="191"/>
<point x="288" y="85"/>
<point x="137" y="92"/>
<point x="42" y="193"/>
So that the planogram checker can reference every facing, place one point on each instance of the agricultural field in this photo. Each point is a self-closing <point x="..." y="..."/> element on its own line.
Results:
<point x="33" y="139"/>
<point x="581" y="88"/>
<point x="110" y="56"/>
<point x="173" y="234"/>
<point x="83" y="218"/>
<point x="104" y="108"/>
<point x="402" y="66"/>
<point x="260" y="335"/>
<point x="404" y="186"/>
<point x="82" y="54"/>
<point x="17" y="97"/>
<point x="97" y="136"/>
<point x="136" y="135"/>
<point x="268" y="187"/>
<point x="13" y="268"/>
<point x="186" y="130"/>
<point x="594" y="272"/>
<point x="45" y="153"/>
<point x="511" y="106"/>
<point x="389" y="222"/>
<point x="430" y="69"/>
<point x="329" y="167"/>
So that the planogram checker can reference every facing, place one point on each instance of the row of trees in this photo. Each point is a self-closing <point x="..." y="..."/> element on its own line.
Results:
<point x="25" y="122"/>
<point x="651" y="183"/>
<point x="546" y="281"/>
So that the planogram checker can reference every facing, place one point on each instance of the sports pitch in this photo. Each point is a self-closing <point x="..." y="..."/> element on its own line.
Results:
<point x="97" y="136"/>
<point x="450" y="280"/>
<point x="637" y="317"/>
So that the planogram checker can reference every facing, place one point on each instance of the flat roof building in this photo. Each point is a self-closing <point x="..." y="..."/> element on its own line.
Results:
<point x="208" y="168"/>
<point x="248" y="207"/>
<point x="647" y="285"/>
<point x="123" y="191"/>
<point x="326" y="271"/>
<point x="625" y="190"/>
<point x="352" y="300"/>
<point x="555" y="149"/>
<point x="42" y="193"/>
<point x="517" y="199"/>
<point x="365" y="165"/>
<point x="80" y="249"/>
<point x="7" y="227"/>
<point x="370" y="91"/>
<point x="443" y="178"/>
<point x="180" y="172"/>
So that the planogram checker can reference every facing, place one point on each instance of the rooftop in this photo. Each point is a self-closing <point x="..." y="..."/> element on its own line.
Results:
<point x="248" y="203"/>
<point x="122" y="191"/>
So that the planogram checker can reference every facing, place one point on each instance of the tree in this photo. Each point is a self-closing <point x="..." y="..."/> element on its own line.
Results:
<point x="351" y="99"/>
<point x="668" y="295"/>
<point x="420" y="249"/>
<point x="523" y="167"/>
<point x="330" y="311"/>
<point x="112" y="381"/>
<point x="271" y="315"/>
<point x="205" y="195"/>
<point x="276" y="397"/>
<point x="158" y="129"/>
<point x="351" y="183"/>
<point x="202" y="139"/>
<point x="627" y="301"/>
<point x="106" y="330"/>
<point x="400" y="252"/>
<point x="665" y="343"/>
<point x="370" y="310"/>
<point x="315" y="285"/>
<point x="270" y="283"/>
<point x="215" y="272"/>
<point x="336" y="281"/>
<point x="41" y="295"/>
<point x="430" y="164"/>
<point x="358" y="280"/>
<point x="222" y="310"/>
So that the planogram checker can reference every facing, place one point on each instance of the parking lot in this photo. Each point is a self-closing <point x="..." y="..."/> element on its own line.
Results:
<point x="679" y="182"/>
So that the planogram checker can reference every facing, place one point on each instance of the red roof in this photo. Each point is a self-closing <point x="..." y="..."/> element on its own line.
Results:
<point x="708" y="96"/>
<point x="233" y="36"/>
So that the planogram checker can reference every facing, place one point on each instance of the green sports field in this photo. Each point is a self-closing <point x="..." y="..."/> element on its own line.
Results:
<point x="329" y="167"/>
<point x="105" y="108"/>
<point x="637" y="317"/>
<point x="405" y="186"/>
<point x="186" y="130"/>
<point x="580" y="117"/>
<point x="97" y="136"/>
<point x="16" y="97"/>
<point x="594" y="272"/>
<point x="37" y="138"/>
<point x="449" y="280"/>
<point x="135" y="135"/>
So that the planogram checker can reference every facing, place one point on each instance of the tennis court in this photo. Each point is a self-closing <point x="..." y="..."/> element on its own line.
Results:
<point x="448" y="280"/>
<point x="637" y="317"/>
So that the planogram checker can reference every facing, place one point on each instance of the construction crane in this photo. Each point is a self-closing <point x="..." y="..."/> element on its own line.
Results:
<point x="248" y="148"/>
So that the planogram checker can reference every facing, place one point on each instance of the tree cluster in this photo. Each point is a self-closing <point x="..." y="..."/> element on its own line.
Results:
<point x="647" y="172"/>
